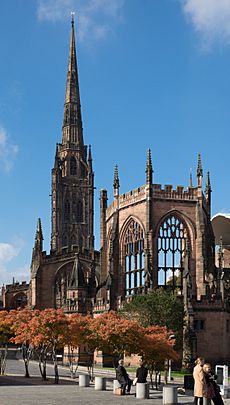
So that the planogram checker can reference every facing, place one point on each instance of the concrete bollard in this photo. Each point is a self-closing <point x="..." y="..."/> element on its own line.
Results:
<point x="169" y="395"/>
<point x="100" y="383"/>
<point x="142" y="390"/>
<point x="83" y="380"/>
<point x="116" y="384"/>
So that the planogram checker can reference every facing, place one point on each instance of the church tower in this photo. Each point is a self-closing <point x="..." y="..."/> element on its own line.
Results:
<point x="72" y="175"/>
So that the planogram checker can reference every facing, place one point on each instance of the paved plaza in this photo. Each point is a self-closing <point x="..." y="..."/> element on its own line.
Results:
<point x="15" y="389"/>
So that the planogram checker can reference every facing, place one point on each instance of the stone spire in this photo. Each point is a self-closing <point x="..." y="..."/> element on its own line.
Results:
<point x="116" y="183"/>
<point x="39" y="236"/>
<point x="72" y="133"/>
<point x="149" y="168"/>
<point x="199" y="172"/>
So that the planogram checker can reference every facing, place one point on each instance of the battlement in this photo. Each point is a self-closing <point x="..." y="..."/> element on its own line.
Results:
<point x="72" y="250"/>
<point x="16" y="286"/>
<point x="135" y="193"/>
<point x="180" y="193"/>
<point x="167" y="193"/>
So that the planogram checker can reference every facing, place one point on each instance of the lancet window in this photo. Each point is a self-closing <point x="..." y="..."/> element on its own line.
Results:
<point x="79" y="215"/>
<point x="134" y="258"/>
<point x="73" y="166"/>
<point x="172" y="244"/>
<point x="67" y="210"/>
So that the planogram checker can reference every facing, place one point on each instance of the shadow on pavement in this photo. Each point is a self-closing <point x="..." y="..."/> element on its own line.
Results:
<point x="7" y="380"/>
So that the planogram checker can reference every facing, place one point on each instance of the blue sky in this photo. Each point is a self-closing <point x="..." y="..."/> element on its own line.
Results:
<point x="153" y="73"/>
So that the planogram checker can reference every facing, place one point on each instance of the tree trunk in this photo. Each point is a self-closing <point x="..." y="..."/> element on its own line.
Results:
<point x="56" y="375"/>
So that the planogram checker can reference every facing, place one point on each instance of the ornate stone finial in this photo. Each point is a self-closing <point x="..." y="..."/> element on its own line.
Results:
<point x="208" y="184"/>
<point x="116" y="184"/>
<point x="39" y="227"/>
<point x="90" y="153"/>
<point x="190" y="178"/>
<point x="149" y="168"/>
<point x="199" y="171"/>
<point x="90" y="159"/>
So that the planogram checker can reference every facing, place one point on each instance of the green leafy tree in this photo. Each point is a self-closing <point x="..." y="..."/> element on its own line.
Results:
<point x="159" y="307"/>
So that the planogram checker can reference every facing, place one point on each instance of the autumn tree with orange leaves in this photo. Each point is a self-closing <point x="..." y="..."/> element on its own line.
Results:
<point x="77" y="335"/>
<point x="5" y="335"/>
<point x="48" y="332"/>
<point x="157" y="347"/>
<point x="22" y="335"/>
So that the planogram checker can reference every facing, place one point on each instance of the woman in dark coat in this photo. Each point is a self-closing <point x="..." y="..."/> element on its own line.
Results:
<point x="141" y="373"/>
<point x="213" y="391"/>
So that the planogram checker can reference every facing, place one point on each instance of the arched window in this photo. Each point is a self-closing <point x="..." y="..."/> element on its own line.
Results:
<point x="172" y="242"/>
<point x="67" y="210"/>
<point x="73" y="239"/>
<point x="73" y="166"/>
<point x="64" y="240"/>
<point x="19" y="301"/>
<point x="82" y="170"/>
<point x="79" y="215"/>
<point x="134" y="259"/>
<point x="74" y="207"/>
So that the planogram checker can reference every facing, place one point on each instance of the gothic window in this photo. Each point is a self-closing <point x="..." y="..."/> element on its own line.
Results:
<point x="199" y="324"/>
<point x="134" y="259"/>
<point x="61" y="285"/>
<point x="73" y="166"/>
<point x="73" y="240"/>
<point x="64" y="240"/>
<point x="82" y="170"/>
<point x="67" y="210"/>
<point x="79" y="215"/>
<point x="172" y="240"/>
<point x="19" y="301"/>
<point x="74" y="207"/>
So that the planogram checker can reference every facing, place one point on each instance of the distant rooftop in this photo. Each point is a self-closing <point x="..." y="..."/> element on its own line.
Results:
<point x="221" y="227"/>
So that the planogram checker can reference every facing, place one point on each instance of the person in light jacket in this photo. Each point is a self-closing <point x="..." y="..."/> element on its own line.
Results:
<point x="199" y="381"/>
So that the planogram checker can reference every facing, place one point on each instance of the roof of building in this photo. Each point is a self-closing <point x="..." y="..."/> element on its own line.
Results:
<point x="221" y="228"/>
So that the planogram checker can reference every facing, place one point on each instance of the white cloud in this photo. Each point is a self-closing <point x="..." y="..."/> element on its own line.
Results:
<point x="95" y="18"/>
<point x="210" y="18"/>
<point x="8" y="252"/>
<point x="8" y="151"/>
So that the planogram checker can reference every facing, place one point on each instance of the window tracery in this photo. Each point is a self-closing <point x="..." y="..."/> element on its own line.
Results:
<point x="134" y="258"/>
<point x="67" y="210"/>
<point x="79" y="215"/>
<point x="172" y="242"/>
<point x="73" y="166"/>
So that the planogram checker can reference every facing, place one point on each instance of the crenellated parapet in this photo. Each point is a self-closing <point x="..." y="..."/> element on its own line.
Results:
<point x="16" y="286"/>
<point x="179" y="193"/>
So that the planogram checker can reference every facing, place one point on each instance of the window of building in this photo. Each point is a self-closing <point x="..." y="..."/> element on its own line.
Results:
<point x="67" y="210"/>
<point x="199" y="324"/>
<point x="73" y="166"/>
<point x="134" y="259"/>
<point x="64" y="240"/>
<point x="83" y="170"/>
<point x="79" y="215"/>
<point x="172" y="242"/>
